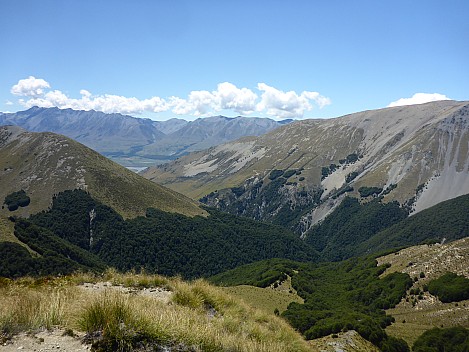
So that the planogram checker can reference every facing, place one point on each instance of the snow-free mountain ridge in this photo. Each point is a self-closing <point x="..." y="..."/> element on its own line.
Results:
<point x="417" y="155"/>
<point x="135" y="141"/>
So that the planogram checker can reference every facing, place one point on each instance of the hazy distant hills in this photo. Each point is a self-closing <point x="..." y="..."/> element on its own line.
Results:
<point x="135" y="141"/>
<point x="207" y="132"/>
<point x="297" y="174"/>
<point x="44" y="164"/>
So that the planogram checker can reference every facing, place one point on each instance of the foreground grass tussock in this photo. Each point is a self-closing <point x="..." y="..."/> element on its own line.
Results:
<point x="198" y="317"/>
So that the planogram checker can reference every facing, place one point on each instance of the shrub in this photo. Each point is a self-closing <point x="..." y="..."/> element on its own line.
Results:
<point x="369" y="191"/>
<point x="238" y="191"/>
<point x="111" y="315"/>
<point x="275" y="174"/>
<point x="16" y="200"/>
<point x="325" y="172"/>
<point x="351" y="158"/>
<point x="289" y="173"/>
<point x="450" y="288"/>
<point x="351" y="176"/>
<point x="451" y="339"/>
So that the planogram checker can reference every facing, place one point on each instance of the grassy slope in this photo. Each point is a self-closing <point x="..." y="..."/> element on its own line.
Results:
<point x="269" y="298"/>
<point x="30" y="161"/>
<point x="428" y="312"/>
<point x="197" y="316"/>
<point x="7" y="234"/>
<point x="130" y="194"/>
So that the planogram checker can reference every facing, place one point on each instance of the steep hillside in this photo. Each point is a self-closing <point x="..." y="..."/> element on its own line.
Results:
<point x="446" y="221"/>
<point x="79" y="231"/>
<point x="417" y="155"/>
<point x="44" y="164"/>
<point x="136" y="141"/>
<point x="419" y="310"/>
<point x="354" y="229"/>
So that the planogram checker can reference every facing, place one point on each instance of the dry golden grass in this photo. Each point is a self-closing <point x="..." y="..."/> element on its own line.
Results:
<point x="199" y="316"/>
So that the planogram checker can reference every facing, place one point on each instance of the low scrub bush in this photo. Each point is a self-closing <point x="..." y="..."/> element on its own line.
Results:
<point x="450" y="288"/>
<point x="451" y="339"/>
<point x="16" y="200"/>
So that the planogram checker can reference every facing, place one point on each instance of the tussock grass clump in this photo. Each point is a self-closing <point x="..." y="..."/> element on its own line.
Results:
<point x="25" y="308"/>
<point x="200" y="294"/>
<point x="199" y="317"/>
<point x="111" y="317"/>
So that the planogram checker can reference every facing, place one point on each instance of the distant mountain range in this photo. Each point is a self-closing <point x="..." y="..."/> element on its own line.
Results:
<point x="295" y="175"/>
<point x="136" y="141"/>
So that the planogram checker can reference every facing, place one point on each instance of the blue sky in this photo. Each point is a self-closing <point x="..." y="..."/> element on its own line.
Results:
<point x="281" y="59"/>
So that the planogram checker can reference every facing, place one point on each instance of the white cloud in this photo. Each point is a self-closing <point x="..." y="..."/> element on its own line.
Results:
<point x="227" y="96"/>
<point x="8" y="102"/>
<point x="231" y="97"/>
<point x="419" y="98"/>
<point x="29" y="87"/>
<point x="288" y="104"/>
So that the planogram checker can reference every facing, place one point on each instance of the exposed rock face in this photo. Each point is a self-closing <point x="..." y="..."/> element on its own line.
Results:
<point x="397" y="150"/>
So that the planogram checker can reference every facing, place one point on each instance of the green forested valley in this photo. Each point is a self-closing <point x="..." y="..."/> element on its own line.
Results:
<point x="79" y="230"/>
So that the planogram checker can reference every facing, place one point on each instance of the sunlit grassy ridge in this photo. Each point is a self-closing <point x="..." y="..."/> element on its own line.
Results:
<point x="267" y="299"/>
<point x="199" y="317"/>
<point x="32" y="160"/>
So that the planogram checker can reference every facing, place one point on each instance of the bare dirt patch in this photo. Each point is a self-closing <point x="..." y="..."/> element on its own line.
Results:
<point x="158" y="293"/>
<point x="55" y="340"/>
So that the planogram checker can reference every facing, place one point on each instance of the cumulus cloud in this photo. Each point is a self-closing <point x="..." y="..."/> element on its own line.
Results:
<point x="227" y="96"/>
<point x="30" y="87"/>
<point x="288" y="104"/>
<point x="419" y="98"/>
<point x="231" y="97"/>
